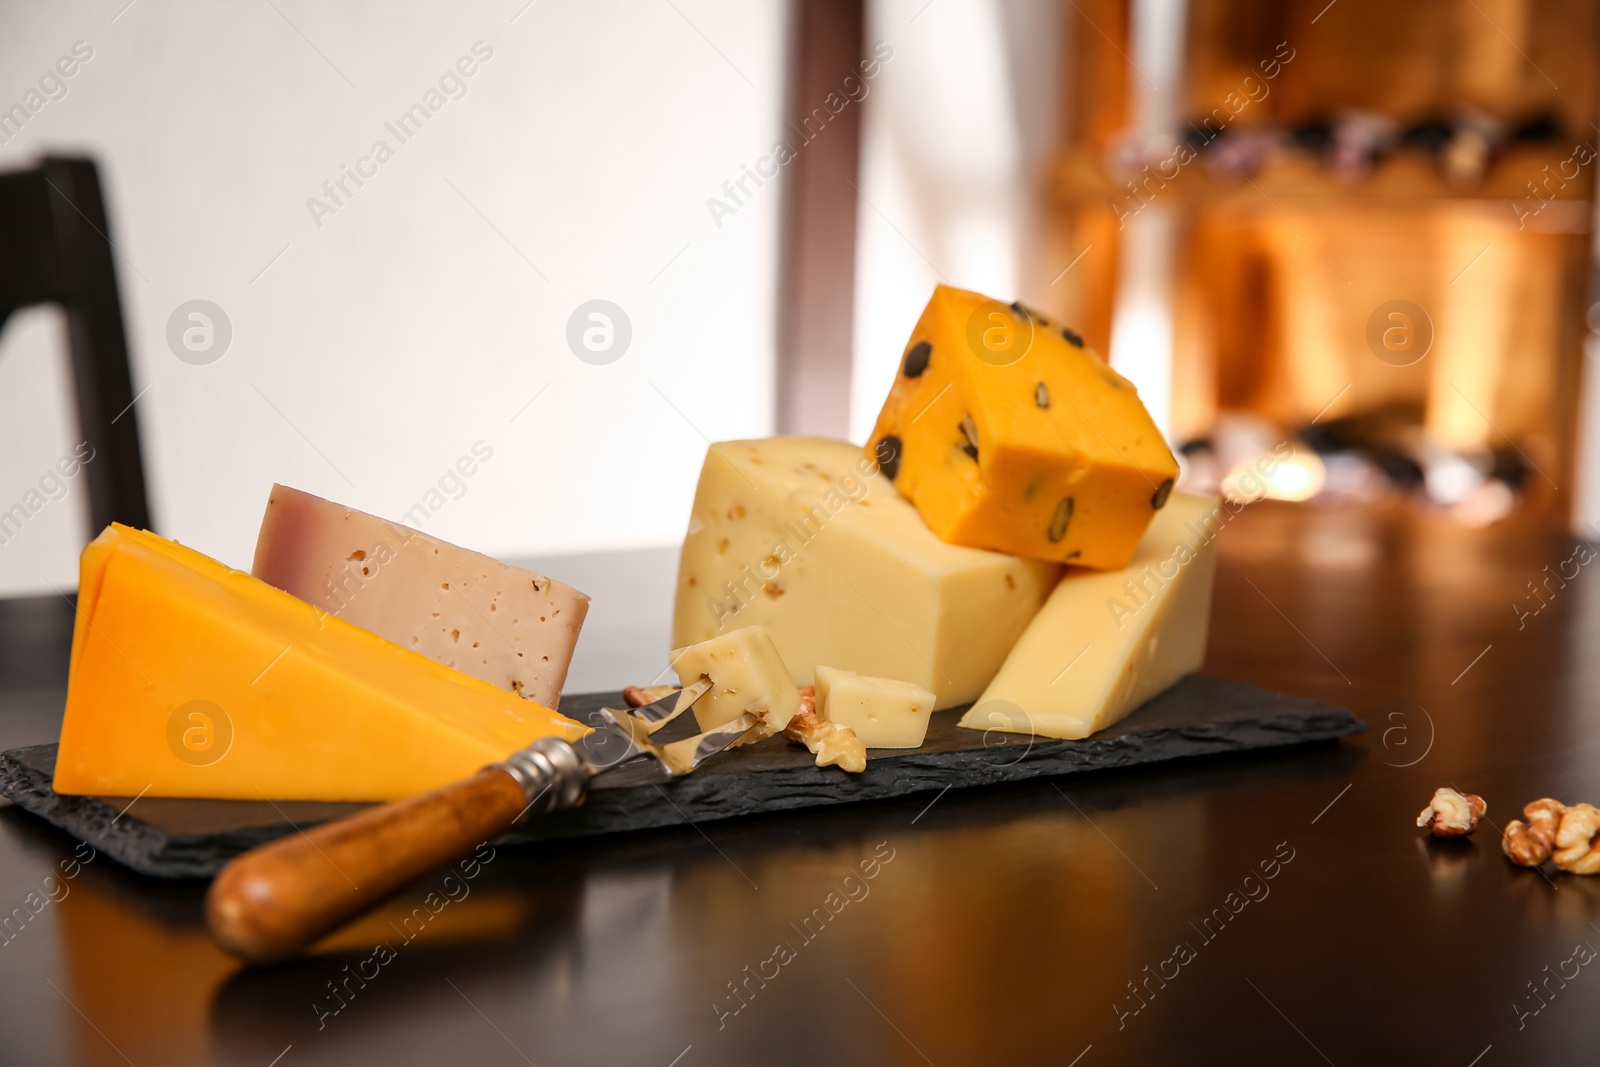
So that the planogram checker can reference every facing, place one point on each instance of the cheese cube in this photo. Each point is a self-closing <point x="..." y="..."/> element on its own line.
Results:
<point x="507" y="625"/>
<point x="802" y="536"/>
<point x="884" y="713"/>
<point x="747" y="674"/>
<point x="189" y="679"/>
<point x="1107" y="642"/>
<point x="1007" y="433"/>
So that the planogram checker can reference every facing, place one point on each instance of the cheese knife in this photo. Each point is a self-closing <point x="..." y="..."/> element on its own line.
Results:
<point x="274" y="900"/>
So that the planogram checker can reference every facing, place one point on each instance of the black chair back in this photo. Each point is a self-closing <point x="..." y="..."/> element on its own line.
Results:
<point x="57" y="250"/>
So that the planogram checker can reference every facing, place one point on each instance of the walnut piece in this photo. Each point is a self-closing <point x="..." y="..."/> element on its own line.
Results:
<point x="1577" y="851"/>
<point x="1529" y="843"/>
<point x="1452" y="814"/>
<point x="638" y="696"/>
<point x="808" y="698"/>
<point x="832" y="743"/>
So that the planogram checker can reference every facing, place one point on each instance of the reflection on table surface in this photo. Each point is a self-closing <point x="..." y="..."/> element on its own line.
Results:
<point x="1275" y="907"/>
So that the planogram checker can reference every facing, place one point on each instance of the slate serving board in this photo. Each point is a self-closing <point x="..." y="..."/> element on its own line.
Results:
<point x="176" y="838"/>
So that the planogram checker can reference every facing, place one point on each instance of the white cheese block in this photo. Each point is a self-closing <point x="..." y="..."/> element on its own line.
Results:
<point x="1108" y="641"/>
<point x="506" y="625"/>
<point x="747" y="674"/>
<point x="805" y="537"/>
<point x="883" y="712"/>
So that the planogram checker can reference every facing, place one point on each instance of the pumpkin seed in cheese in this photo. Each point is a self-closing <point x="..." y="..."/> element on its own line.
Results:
<point x="1007" y="433"/>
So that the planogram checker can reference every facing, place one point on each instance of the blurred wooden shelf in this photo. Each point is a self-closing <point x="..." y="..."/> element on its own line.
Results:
<point x="1296" y="181"/>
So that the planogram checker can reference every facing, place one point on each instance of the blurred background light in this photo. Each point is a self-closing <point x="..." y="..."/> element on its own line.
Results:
<point x="1377" y="250"/>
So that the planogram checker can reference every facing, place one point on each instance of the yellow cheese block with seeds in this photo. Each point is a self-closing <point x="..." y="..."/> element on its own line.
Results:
<point x="1008" y="434"/>
<point x="190" y="679"/>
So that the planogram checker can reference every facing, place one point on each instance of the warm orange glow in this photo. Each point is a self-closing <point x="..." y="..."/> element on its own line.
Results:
<point x="1297" y="478"/>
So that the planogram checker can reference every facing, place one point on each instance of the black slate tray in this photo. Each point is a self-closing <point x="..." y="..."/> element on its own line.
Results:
<point x="177" y="838"/>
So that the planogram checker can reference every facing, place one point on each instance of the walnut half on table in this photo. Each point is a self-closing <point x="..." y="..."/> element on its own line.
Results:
<point x="1570" y="835"/>
<point x="1528" y="844"/>
<point x="1452" y="814"/>
<point x="1577" y="848"/>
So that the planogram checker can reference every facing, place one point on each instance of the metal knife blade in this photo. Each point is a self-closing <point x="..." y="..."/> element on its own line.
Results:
<point x="612" y="742"/>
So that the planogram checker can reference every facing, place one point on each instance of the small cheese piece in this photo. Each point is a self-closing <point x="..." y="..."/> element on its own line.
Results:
<point x="884" y="713"/>
<point x="802" y="535"/>
<point x="1007" y="433"/>
<point x="747" y="674"/>
<point x="507" y="625"/>
<point x="1107" y="642"/>
<point x="189" y="679"/>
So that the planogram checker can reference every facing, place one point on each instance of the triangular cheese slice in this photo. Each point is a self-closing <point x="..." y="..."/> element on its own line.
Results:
<point x="1108" y="641"/>
<point x="190" y="679"/>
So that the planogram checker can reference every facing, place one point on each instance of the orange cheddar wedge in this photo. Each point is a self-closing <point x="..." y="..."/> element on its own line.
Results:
<point x="191" y="679"/>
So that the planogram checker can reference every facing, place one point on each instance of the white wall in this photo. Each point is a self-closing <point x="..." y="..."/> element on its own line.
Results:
<point x="939" y="176"/>
<point x="425" y="313"/>
<point x="951" y="140"/>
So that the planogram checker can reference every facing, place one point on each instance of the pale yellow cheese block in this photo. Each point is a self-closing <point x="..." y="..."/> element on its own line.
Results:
<point x="804" y="536"/>
<point x="1108" y="641"/>
<point x="882" y="712"/>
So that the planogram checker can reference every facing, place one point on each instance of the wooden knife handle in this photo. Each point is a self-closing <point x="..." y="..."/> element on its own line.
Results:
<point x="276" y="899"/>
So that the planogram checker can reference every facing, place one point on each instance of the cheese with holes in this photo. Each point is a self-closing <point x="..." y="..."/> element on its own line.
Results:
<point x="883" y="712"/>
<point x="747" y="674"/>
<point x="189" y="679"/>
<point x="802" y="535"/>
<point x="1108" y="641"/>
<point x="1007" y="433"/>
<point x="507" y="625"/>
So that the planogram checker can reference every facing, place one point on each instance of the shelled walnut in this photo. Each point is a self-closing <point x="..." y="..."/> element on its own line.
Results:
<point x="1528" y="844"/>
<point x="1452" y="814"/>
<point x="1577" y="851"/>
<point x="830" y="742"/>
<point x="1552" y="830"/>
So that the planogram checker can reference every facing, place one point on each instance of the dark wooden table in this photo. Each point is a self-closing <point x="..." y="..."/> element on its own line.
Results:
<point x="1118" y="918"/>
